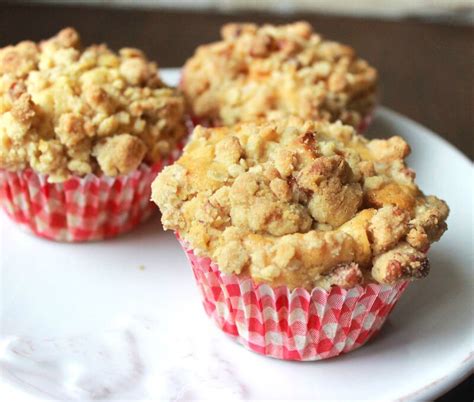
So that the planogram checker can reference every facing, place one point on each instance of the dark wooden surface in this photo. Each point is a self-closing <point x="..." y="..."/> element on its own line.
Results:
<point x="426" y="69"/>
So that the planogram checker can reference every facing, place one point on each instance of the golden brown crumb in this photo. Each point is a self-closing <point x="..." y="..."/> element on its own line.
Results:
<point x="273" y="71"/>
<point x="70" y="111"/>
<point x="387" y="227"/>
<point x="300" y="203"/>
<point x="345" y="275"/>
<point x="402" y="262"/>
<point x="119" y="154"/>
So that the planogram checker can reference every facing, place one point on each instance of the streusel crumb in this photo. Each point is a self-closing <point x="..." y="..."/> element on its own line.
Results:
<point x="301" y="203"/>
<point x="69" y="111"/>
<point x="274" y="71"/>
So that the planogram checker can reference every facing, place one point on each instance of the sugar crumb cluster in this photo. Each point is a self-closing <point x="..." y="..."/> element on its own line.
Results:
<point x="66" y="111"/>
<point x="269" y="72"/>
<point x="301" y="203"/>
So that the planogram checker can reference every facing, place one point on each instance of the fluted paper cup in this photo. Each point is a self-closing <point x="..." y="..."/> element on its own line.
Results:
<point x="292" y="324"/>
<point x="80" y="209"/>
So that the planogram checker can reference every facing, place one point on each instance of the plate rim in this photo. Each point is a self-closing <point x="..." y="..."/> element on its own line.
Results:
<point x="446" y="382"/>
<point x="24" y="392"/>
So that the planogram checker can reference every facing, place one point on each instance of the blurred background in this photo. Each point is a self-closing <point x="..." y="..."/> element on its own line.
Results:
<point x="423" y="49"/>
<point x="455" y="10"/>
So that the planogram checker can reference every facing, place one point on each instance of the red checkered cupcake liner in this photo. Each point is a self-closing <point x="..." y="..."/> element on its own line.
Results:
<point x="80" y="209"/>
<point x="292" y="324"/>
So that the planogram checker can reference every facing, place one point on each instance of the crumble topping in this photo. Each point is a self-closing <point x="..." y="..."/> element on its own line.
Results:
<point x="274" y="71"/>
<point x="70" y="111"/>
<point x="301" y="203"/>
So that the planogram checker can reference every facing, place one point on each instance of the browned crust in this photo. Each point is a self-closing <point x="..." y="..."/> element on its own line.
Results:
<point x="260" y="72"/>
<point x="70" y="111"/>
<point x="301" y="203"/>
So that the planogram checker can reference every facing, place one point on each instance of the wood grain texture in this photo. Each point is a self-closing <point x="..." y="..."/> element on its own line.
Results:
<point x="426" y="69"/>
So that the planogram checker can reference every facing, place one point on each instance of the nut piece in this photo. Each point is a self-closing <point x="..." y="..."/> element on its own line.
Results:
<point x="401" y="263"/>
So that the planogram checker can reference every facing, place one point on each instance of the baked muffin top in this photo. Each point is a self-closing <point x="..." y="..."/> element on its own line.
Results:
<point x="70" y="111"/>
<point x="301" y="203"/>
<point x="274" y="71"/>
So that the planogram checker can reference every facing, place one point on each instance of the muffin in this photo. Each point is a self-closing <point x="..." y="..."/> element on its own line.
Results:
<point x="83" y="133"/>
<point x="302" y="235"/>
<point x="270" y="72"/>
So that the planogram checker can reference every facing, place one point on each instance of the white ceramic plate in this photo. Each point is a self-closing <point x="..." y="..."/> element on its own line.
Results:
<point x="121" y="319"/>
